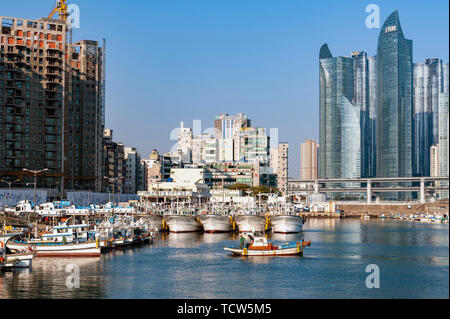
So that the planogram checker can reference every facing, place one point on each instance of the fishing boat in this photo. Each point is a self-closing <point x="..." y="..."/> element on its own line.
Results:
<point x="216" y="223"/>
<point x="62" y="241"/>
<point x="10" y="259"/>
<point x="155" y="221"/>
<point x="78" y="211"/>
<point x="286" y="223"/>
<point x="182" y="222"/>
<point x="251" y="222"/>
<point x="256" y="245"/>
<point x="51" y="210"/>
<point x="21" y="208"/>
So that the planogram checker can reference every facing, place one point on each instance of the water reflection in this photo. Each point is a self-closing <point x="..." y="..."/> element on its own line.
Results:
<point x="286" y="237"/>
<point x="180" y="240"/>
<point x="219" y="237"/>
<point x="48" y="279"/>
<point x="414" y="259"/>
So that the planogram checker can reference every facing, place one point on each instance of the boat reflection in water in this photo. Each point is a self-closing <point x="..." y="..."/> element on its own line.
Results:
<point x="61" y="274"/>
<point x="180" y="240"/>
<point x="285" y="237"/>
<point x="218" y="237"/>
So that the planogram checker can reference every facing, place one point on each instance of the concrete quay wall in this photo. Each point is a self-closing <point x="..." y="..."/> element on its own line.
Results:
<point x="375" y="210"/>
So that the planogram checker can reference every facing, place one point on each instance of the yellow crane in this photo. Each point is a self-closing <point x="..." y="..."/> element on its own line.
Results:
<point x="61" y="8"/>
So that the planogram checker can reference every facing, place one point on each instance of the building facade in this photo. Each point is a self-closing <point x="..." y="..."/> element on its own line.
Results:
<point x="336" y="90"/>
<point x="309" y="151"/>
<point x="133" y="171"/>
<point x="51" y="105"/>
<point x="114" y="174"/>
<point x="282" y="169"/>
<point x="394" y="113"/>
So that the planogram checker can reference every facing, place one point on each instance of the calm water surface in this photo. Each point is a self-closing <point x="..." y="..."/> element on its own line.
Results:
<point x="413" y="259"/>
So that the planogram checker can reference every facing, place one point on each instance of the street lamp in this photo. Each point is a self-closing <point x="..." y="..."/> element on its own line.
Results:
<point x="9" y="188"/>
<point x="35" y="172"/>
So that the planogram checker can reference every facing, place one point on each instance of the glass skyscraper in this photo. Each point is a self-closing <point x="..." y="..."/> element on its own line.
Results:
<point x="373" y="106"/>
<point x="423" y="124"/>
<point x="429" y="82"/>
<point x="336" y="89"/>
<point x="365" y="97"/>
<point x="350" y="139"/>
<point x="394" y="113"/>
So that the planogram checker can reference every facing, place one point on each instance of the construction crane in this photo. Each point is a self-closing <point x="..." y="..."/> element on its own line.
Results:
<point x="61" y="8"/>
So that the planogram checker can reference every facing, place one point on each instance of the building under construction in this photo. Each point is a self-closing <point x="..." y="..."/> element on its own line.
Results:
<point x="52" y="105"/>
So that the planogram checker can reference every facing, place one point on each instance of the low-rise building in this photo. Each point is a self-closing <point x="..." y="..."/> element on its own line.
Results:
<point x="184" y="185"/>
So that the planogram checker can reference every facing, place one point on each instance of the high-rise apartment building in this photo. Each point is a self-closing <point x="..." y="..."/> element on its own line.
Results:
<point x="133" y="171"/>
<point x="227" y="125"/>
<point x="185" y="144"/>
<point x="309" y="160"/>
<point x="395" y="106"/>
<point x="252" y="144"/>
<point x="114" y="176"/>
<point x="282" y="170"/>
<point x="51" y="105"/>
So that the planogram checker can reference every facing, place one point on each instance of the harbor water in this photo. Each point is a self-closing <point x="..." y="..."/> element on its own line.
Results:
<point x="412" y="258"/>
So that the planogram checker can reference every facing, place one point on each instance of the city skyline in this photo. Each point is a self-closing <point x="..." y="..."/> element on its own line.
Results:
<point x="293" y="94"/>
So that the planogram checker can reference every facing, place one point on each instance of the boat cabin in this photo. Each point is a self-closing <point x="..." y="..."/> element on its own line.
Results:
<point x="67" y="233"/>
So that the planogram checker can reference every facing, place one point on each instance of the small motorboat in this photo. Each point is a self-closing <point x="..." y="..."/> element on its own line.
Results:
<point x="254" y="245"/>
<point x="14" y="258"/>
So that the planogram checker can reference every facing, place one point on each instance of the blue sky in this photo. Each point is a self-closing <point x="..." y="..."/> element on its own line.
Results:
<point x="180" y="60"/>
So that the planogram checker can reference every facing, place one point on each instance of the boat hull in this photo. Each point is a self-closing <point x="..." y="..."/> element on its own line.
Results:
<point x="250" y="223"/>
<point x="87" y="249"/>
<point x="286" y="224"/>
<point x="216" y="223"/>
<point x="183" y="224"/>
<point x="155" y="222"/>
<point x="18" y="261"/>
<point x="269" y="252"/>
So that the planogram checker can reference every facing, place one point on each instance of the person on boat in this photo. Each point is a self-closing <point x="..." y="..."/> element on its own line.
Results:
<point x="242" y="244"/>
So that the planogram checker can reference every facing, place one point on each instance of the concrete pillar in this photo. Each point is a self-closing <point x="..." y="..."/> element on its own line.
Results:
<point x="316" y="187"/>
<point x="369" y="191"/>
<point x="422" y="191"/>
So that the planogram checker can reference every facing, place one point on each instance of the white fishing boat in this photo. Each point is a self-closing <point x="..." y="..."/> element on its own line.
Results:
<point x="23" y="207"/>
<point x="286" y="224"/>
<point x="62" y="241"/>
<point x="250" y="223"/>
<point x="101" y="209"/>
<point x="78" y="211"/>
<point x="155" y="222"/>
<point x="51" y="210"/>
<point x="216" y="223"/>
<point x="49" y="249"/>
<point x="182" y="223"/>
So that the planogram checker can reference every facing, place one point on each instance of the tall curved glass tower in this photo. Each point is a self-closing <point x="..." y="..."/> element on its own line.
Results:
<point x="336" y="86"/>
<point x="394" y="114"/>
